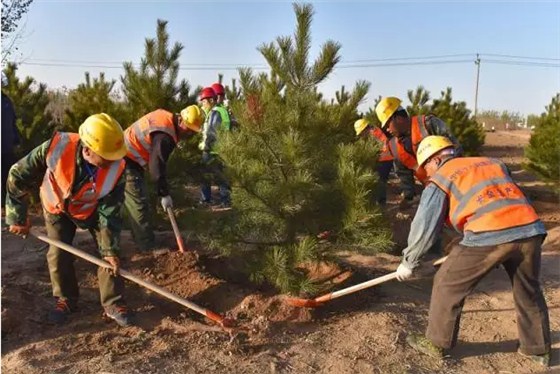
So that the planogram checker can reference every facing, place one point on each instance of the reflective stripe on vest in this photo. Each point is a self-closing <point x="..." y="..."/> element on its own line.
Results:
<point x="226" y="123"/>
<point x="418" y="132"/>
<point x="56" y="189"/>
<point x="482" y="195"/>
<point x="137" y="137"/>
<point x="384" y="152"/>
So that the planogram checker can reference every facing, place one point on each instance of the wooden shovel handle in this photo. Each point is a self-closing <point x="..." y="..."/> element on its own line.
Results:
<point x="131" y="277"/>
<point x="178" y="236"/>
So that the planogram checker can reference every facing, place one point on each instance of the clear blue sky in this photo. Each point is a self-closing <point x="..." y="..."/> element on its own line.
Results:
<point x="228" y="32"/>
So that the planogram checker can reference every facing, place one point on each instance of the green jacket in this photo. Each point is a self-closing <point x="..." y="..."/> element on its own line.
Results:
<point x="27" y="174"/>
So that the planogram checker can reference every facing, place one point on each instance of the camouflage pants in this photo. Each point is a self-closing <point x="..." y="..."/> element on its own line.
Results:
<point x="61" y="264"/>
<point x="137" y="207"/>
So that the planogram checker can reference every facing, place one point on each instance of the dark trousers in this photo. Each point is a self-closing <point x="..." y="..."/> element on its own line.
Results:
<point x="406" y="177"/>
<point x="383" y="170"/>
<point x="466" y="266"/>
<point x="137" y="206"/>
<point x="8" y="159"/>
<point x="214" y="171"/>
<point x="61" y="265"/>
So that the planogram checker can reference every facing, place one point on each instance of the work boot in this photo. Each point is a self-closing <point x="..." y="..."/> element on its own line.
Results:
<point x="422" y="344"/>
<point x="119" y="313"/>
<point x="62" y="309"/>
<point x="543" y="359"/>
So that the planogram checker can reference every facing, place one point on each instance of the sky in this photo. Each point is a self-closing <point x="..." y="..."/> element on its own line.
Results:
<point x="390" y="36"/>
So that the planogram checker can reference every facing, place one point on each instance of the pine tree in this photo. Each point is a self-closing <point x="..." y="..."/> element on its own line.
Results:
<point x="30" y="100"/>
<point x="370" y="114"/>
<point x="94" y="96"/>
<point x="418" y="101"/>
<point x="155" y="84"/>
<point x="469" y="132"/>
<point x="295" y="169"/>
<point x="543" y="151"/>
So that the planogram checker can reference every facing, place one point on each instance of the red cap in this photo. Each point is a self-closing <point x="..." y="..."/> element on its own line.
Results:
<point x="207" y="93"/>
<point x="218" y="89"/>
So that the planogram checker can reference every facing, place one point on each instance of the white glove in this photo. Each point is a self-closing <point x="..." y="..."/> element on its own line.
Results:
<point x="166" y="202"/>
<point x="403" y="272"/>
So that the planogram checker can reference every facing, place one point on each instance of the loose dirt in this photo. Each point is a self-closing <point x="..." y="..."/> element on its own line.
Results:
<point x="360" y="333"/>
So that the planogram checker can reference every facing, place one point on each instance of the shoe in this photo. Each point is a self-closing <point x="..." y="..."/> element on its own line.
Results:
<point x="543" y="359"/>
<point x="119" y="313"/>
<point x="61" y="311"/>
<point x="424" y="345"/>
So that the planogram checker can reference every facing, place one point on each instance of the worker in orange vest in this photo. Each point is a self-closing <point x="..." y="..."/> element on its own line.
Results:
<point x="385" y="159"/>
<point x="477" y="197"/>
<point x="82" y="186"/>
<point x="150" y="141"/>
<point x="407" y="132"/>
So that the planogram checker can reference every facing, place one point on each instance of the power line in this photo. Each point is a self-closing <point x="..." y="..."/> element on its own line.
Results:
<point x="522" y="63"/>
<point x="259" y="65"/>
<point x="417" y="63"/>
<point x="521" y="57"/>
<point x="53" y="61"/>
<point x="409" y="58"/>
<point x="341" y="66"/>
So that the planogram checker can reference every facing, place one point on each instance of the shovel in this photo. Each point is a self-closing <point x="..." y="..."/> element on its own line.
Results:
<point x="178" y="236"/>
<point x="320" y="300"/>
<point x="225" y="323"/>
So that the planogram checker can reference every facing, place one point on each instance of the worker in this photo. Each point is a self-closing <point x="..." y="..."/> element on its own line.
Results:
<point x="477" y="196"/>
<point x="10" y="137"/>
<point x="407" y="132"/>
<point x="213" y="166"/>
<point x="229" y="121"/>
<point x="150" y="141"/>
<point x="385" y="159"/>
<point x="82" y="187"/>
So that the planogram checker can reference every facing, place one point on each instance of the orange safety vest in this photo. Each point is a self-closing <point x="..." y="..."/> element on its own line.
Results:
<point x="137" y="137"/>
<point x="482" y="195"/>
<point x="56" y="189"/>
<point x="418" y="132"/>
<point x="385" y="153"/>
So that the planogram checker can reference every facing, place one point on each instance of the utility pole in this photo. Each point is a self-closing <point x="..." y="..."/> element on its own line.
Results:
<point x="477" y="62"/>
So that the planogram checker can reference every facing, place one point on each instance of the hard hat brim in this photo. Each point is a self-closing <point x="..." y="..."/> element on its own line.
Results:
<point x="114" y="156"/>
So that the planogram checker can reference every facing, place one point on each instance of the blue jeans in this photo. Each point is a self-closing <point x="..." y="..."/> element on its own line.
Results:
<point x="214" y="171"/>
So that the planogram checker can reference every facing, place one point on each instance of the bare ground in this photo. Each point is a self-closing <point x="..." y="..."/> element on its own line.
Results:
<point x="360" y="333"/>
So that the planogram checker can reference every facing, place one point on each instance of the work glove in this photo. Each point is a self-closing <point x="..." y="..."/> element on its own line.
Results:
<point x="166" y="202"/>
<point x="403" y="272"/>
<point x="115" y="263"/>
<point x="21" y="230"/>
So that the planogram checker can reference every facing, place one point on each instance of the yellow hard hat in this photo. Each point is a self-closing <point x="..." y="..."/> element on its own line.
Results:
<point x="192" y="117"/>
<point x="386" y="108"/>
<point x="103" y="135"/>
<point x="431" y="145"/>
<point x="360" y="125"/>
